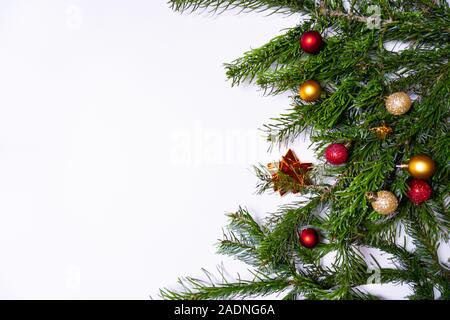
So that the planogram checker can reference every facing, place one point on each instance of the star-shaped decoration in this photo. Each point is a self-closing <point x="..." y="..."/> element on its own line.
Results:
<point x="291" y="166"/>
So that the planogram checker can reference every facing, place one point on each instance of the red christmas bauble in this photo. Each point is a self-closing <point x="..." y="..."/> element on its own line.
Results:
<point x="419" y="191"/>
<point x="309" y="238"/>
<point x="311" y="42"/>
<point x="336" y="153"/>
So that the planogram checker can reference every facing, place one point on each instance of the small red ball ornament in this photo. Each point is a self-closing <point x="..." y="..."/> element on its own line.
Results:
<point x="309" y="238"/>
<point x="311" y="42"/>
<point x="419" y="191"/>
<point x="336" y="153"/>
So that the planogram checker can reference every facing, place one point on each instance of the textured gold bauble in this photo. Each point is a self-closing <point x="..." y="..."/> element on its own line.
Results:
<point x="398" y="103"/>
<point x="384" y="202"/>
<point x="310" y="91"/>
<point x="421" y="166"/>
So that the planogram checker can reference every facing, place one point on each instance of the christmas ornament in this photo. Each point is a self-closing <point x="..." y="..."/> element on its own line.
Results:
<point x="382" y="131"/>
<point x="309" y="238"/>
<point x="419" y="191"/>
<point x="336" y="153"/>
<point x="383" y="202"/>
<point x="291" y="166"/>
<point x="311" y="42"/>
<point x="310" y="91"/>
<point x="398" y="103"/>
<point x="421" y="166"/>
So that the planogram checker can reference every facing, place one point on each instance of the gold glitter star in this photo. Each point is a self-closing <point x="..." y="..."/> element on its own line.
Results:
<point x="382" y="131"/>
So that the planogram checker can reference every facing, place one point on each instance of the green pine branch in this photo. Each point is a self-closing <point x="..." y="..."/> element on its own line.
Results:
<point x="357" y="70"/>
<point x="287" y="6"/>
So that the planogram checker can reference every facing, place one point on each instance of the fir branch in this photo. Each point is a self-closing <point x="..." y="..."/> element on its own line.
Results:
<point x="242" y="237"/>
<point x="277" y="52"/>
<point x="350" y="205"/>
<point x="349" y="268"/>
<point x="196" y="289"/>
<point x="358" y="72"/>
<point x="281" y="241"/>
<point x="343" y="56"/>
<point x="285" y="129"/>
<point x="284" y="6"/>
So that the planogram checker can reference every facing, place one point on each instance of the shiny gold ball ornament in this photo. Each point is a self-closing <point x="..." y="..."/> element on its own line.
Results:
<point x="310" y="91"/>
<point x="384" y="202"/>
<point x="398" y="103"/>
<point x="421" y="166"/>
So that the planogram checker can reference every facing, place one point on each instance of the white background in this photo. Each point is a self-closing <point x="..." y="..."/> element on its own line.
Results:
<point x="121" y="145"/>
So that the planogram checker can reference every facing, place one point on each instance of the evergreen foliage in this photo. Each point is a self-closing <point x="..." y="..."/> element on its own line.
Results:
<point x="359" y="70"/>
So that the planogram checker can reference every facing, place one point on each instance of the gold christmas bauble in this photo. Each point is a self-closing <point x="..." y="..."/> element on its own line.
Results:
<point x="310" y="91"/>
<point x="421" y="166"/>
<point x="384" y="202"/>
<point x="398" y="103"/>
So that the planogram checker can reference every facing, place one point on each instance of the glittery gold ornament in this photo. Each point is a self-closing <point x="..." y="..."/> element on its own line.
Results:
<point x="383" y="202"/>
<point x="310" y="91"/>
<point x="421" y="166"/>
<point x="382" y="131"/>
<point x="398" y="103"/>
